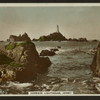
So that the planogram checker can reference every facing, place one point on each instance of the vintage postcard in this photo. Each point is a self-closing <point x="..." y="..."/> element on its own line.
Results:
<point x="49" y="49"/>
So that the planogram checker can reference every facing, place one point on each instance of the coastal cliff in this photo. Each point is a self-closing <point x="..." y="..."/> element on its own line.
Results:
<point x="56" y="36"/>
<point x="23" y="62"/>
<point x="95" y="66"/>
<point x="23" y="37"/>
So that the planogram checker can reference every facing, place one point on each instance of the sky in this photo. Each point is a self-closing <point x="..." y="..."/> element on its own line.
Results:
<point x="74" y="22"/>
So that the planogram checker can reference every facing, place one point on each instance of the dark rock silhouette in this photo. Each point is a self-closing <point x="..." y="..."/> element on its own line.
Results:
<point x="47" y="53"/>
<point x="58" y="46"/>
<point x="95" y="66"/>
<point x="26" y="63"/>
<point x="70" y="39"/>
<point x="25" y="75"/>
<point x="78" y="40"/>
<point x="44" y="63"/>
<point x="4" y="59"/>
<point x="23" y="37"/>
<point x="82" y="40"/>
<point x="24" y="52"/>
<point x="35" y="39"/>
<point x="95" y="40"/>
<point x="55" y="36"/>
<point x="1" y="41"/>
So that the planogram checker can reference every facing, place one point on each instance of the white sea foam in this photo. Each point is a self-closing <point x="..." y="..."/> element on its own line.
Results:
<point x="17" y="85"/>
<point x="45" y="86"/>
<point x="55" y="87"/>
<point x="43" y="48"/>
<point x="87" y="51"/>
<point x="97" y="86"/>
<point x="64" y="79"/>
<point x="60" y="51"/>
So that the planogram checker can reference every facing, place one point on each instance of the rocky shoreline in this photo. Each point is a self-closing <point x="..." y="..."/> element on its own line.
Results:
<point x="21" y="62"/>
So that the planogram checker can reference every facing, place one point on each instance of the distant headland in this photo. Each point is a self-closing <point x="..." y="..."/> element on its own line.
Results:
<point x="55" y="36"/>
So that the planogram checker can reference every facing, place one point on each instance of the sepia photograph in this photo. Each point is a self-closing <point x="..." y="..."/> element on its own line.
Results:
<point x="49" y="49"/>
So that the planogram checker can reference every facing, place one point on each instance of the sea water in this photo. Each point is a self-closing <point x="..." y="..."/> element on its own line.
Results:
<point x="70" y="70"/>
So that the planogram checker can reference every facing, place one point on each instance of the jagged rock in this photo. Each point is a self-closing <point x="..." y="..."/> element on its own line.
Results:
<point x="25" y="75"/>
<point x="95" y="66"/>
<point x="25" y="62"/>
<point x="70" y="39"/>
<point x="4" y="59"/>
<point x="35" y="39"/>
<point x="1" y="41"/>
<point x="45" y="62"/>
<point x="82" y="40"/>
<point x="8" y="75"/>
<point x="74" y="39"/>
<point x="25" y="37"/>
<point x="78" y="40"/>
<point x="47" y="53"/>
<point x="14" y="38"/>
<point x="23" y="52"/>
<point x="56" y="36"/>
<point x="95" y="41"/>
<point x="58" y="46"/>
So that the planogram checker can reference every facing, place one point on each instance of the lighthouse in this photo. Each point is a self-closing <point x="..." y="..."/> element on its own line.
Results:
<point x="57" y="29"/>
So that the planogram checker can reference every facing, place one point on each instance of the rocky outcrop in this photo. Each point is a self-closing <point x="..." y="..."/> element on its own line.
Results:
<point x="47" y="53"/>
<point x="4" y="62"/>
<point x="78" y="40"/>
<point x="25" y="62"/>
<point x="35" y="39"/>
<point x="25" y="75"/>
<point x="56" y="36"/>
<point x="95" y="66"/>
<point x="95" y="40"/>
<point x="23" y="37"/>
<point x="44" y="63"/>
<point x="23" y="52"/>
<point x="82" y="40"/>
<point x="58" y="46"/>
<point x="4" y="59"/>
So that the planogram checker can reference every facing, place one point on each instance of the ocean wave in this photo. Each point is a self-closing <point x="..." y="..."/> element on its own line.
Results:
<point x="60" y="51"/>
<point x="17" y="85"/>
<point x="85" y="50"/>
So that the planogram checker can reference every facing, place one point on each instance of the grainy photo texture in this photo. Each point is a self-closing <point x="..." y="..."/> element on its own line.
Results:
<point x="49" y="49"/>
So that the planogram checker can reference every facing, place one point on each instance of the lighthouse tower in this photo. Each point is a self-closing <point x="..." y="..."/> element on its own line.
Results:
<point x="57" y="28"/>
